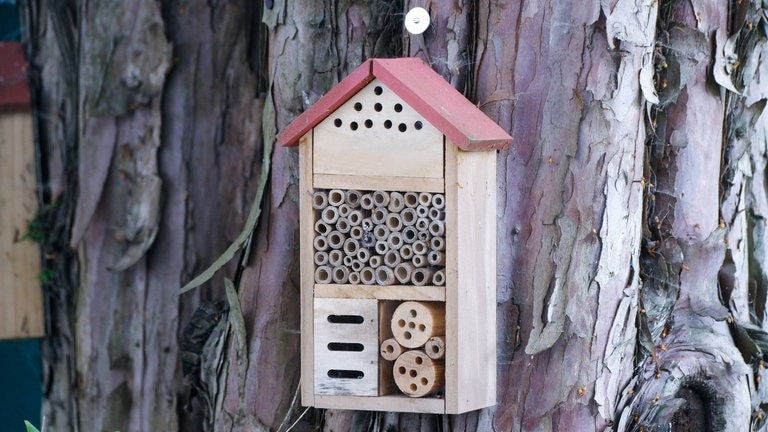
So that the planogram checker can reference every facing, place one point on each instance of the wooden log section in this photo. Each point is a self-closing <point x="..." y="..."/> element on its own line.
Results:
<point x="319" y="200"/>
<point x="396" y="202"/>
<point x="336" y="197"/>
<point x="384" y="276"/>
<point x="329" y="215"/>
<point x="390" y="349"/>
<point x="421" y="276"/>
<point x="408" y="216"/>
<point x="352" y="198"/>
<point x="321" y="258"/>
<point x="438" y="278"/>
<point x="323" y="275"/>
<point x="403" y="272"/>
<point x="411" y="199"/>
<point x="417" y="375"/>
<point x="394" y="222"/>
<point x="320" y="243"/>
<point x="438" y="201"/>
<point x="435" y="347"/>
<point x="413" y="323"/>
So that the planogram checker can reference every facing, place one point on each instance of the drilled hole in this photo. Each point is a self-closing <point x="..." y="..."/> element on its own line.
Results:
<point x="358" y="106"/>
<point x="378" y="90"/>
<point x="414" y="387"/>
<point x="353" y="126"/>
<point x="413" y="313"/>
<point x="398" y="107"/>
<point x="411" y="325"/>
<point x="402" y="127"/>
<point x="413" y="373"/>
<point x="418" y="125"/>
<point x="368" y="123"/>
<point x="377" y="106"/>
<point x="407" y="335"/>
<point x="424" y="381"/>
<point x="401" y="370"/>
<point x="388" y="124"/>
<point x="337" y="122"/>
<point x="422" y="327"/>
<point x="418" y="360"/>
<point x="435" y="349"/>
<point x="401" y="323"/>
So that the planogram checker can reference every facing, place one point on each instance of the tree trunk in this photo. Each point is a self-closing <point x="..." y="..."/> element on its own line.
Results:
<point x="632" y="272"/>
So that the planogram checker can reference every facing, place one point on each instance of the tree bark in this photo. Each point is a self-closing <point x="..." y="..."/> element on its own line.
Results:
<point x="631" y="215"/>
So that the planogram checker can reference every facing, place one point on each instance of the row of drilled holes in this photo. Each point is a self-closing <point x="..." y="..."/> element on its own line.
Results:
<point x="402" y="127"/>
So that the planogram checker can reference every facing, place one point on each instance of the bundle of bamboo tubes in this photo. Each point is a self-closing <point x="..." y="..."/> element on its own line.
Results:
<point x="417" y="348"/>
<point x="379" y="237"/>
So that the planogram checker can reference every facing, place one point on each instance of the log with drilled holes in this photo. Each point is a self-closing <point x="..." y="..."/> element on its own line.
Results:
<point x="435" y="347"/>
<point x="413" y="323"/>
<point x="417" y="375"/>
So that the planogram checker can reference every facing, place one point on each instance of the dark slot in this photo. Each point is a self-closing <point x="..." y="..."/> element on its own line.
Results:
<point x="342" y="346"/>
<point x="349" y="374"/>
<point x="345" y="319"/>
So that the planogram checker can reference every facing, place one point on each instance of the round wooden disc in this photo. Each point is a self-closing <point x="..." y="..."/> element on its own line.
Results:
<point x="413" y="323"/>
<point x="417" y="375"/>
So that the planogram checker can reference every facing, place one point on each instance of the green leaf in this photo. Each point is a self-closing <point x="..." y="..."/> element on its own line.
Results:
<point x="30" y="428"/>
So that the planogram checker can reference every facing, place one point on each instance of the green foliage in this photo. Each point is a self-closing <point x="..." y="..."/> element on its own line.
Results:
<point x="39" y="227"/>
<point x="46" y="275"/>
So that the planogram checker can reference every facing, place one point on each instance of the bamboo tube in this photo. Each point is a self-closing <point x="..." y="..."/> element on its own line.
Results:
<point x="419" y="260"/>
<point x="406" y="252"/>
<point x="363" y="255"/>
<point x="320" y="242"/>
<point x="367" y="276"/>
<point x="354" y="278"/>
<point x="379" y="215"/>
<point x="344" y="210"/>
<point x="321" y="258"/>
<point x="375" y="261"/>
<point x="438" y="279"/>
<point x="330" y="215"/>
<point x="436" y="258"/>
<point x="366" y="224"/>
<point x="380" y="198"/>
<point x="366" y="201"/>
<point x="323" y="275"/>
<point x="342" y="225"/>
<point x="356" y="232"/>
<point x="403" y="273"/>
<point x="394" y="222"/>
<point x="355" y="217"/>
<point x="381" y="247"/>
<point x="340" y="275"/>
<point x="437" y="228"/>
<point x="408" y="216"/>
<point x="425" y="199"/>
<point x="436" y="214"/>
<point x="352" y="198"/>
<point x="421" y="276"/>
<point x="435" y="347"/>
<point x="422" y="211"/>
<point x="392" y="259"/>
<point x="319" y="200"/>
<point x="384" y="276"/>
<point x="413" y="323"/>
<point x="381" y="232"/>
<point x="322" y="228"/>
<point x="422" y="224"/>
<point x="390" y="349"/>
<point x="347" y="261"/>
<point x="336" y="197"/>
<point x="411" y="199"/>
<point x="420" y="247"/>
<point x="410" y="234"/>
<point x="422" y="236"/>
<point x="351" y="246"/>
<point x="336" y="239"/>
<point x="437" y="243"/>
<point x="356" y="266"/>
<point x="417" y="375"/>
<point x="335" y="258"/>
<point x="438" y="201"/>
<point x="396" y="202"/>
<point x="395" y="240"/>
<point x="368" y="240"/>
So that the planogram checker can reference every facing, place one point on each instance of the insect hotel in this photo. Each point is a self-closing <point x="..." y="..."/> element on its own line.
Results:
<point x="398" y="243"/>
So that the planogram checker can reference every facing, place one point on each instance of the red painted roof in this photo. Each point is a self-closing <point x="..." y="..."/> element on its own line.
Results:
<point x="420" y="87"/>
<point x="14" y="88"/>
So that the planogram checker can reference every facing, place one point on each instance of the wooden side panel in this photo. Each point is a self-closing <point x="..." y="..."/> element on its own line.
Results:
<point x="306" y="234"/>
<point x="375" y="133"/>
<point x="21" y="311"/>
<point x="471" y="280"/>
<point x="346" y="350"/>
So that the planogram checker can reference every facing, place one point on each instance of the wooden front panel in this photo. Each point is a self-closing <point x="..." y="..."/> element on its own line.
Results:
<point x="376" y="134"/>
<point x="21" y="305"/>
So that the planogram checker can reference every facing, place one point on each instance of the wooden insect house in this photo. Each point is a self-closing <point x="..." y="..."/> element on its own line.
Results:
<point x="398" y="243"/>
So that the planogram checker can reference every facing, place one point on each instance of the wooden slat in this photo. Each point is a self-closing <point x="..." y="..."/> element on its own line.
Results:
<point x="426" y="405"/>
<point x="387" y="384"/>
<point x="393" y="292"/>
<point x="355" y="141"/>
<point x="471" y="285"/>
<point x="21" y="311"/>
<point x="402" y="184"/>
<point x="307" y="265"/>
